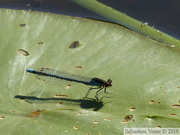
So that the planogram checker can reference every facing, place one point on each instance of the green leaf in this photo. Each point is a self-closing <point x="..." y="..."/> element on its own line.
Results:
<point x="145" y="76"/>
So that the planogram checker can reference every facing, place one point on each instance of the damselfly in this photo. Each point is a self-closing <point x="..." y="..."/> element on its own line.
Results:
<point x="97" y="82"/>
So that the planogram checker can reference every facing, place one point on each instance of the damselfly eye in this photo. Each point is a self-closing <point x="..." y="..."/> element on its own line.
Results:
<point x="109" y="83"/>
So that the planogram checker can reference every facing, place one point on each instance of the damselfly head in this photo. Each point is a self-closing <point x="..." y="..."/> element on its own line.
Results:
<point x="108" y="83"/>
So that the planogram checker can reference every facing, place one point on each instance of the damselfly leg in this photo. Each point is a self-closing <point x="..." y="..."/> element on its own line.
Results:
<point x="96" y="96"/>
<point x="98" y="92"/>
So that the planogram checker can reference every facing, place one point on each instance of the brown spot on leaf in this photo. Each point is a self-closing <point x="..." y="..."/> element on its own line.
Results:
<point x="22" y="25"/>
<point x="23" y="52"/>
<point x="96" y="122"/>
<point x="128" y="117"/>
<point x="75" y="127"/>
<point x="132" y="109"/>
<point x="35" y="114"/>
<point x="175" y="106"/>
<point x="78" y="67"/>
<point x="151" y="102"/>
<point x="74" y="44"/>
<point x="2" y="117"/>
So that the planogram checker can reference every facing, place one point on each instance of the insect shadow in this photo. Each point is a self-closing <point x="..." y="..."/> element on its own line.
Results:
<point x="83" y="103"/>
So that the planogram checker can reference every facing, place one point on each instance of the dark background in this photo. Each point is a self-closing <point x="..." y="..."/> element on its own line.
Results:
<point x="162" y="14"/>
